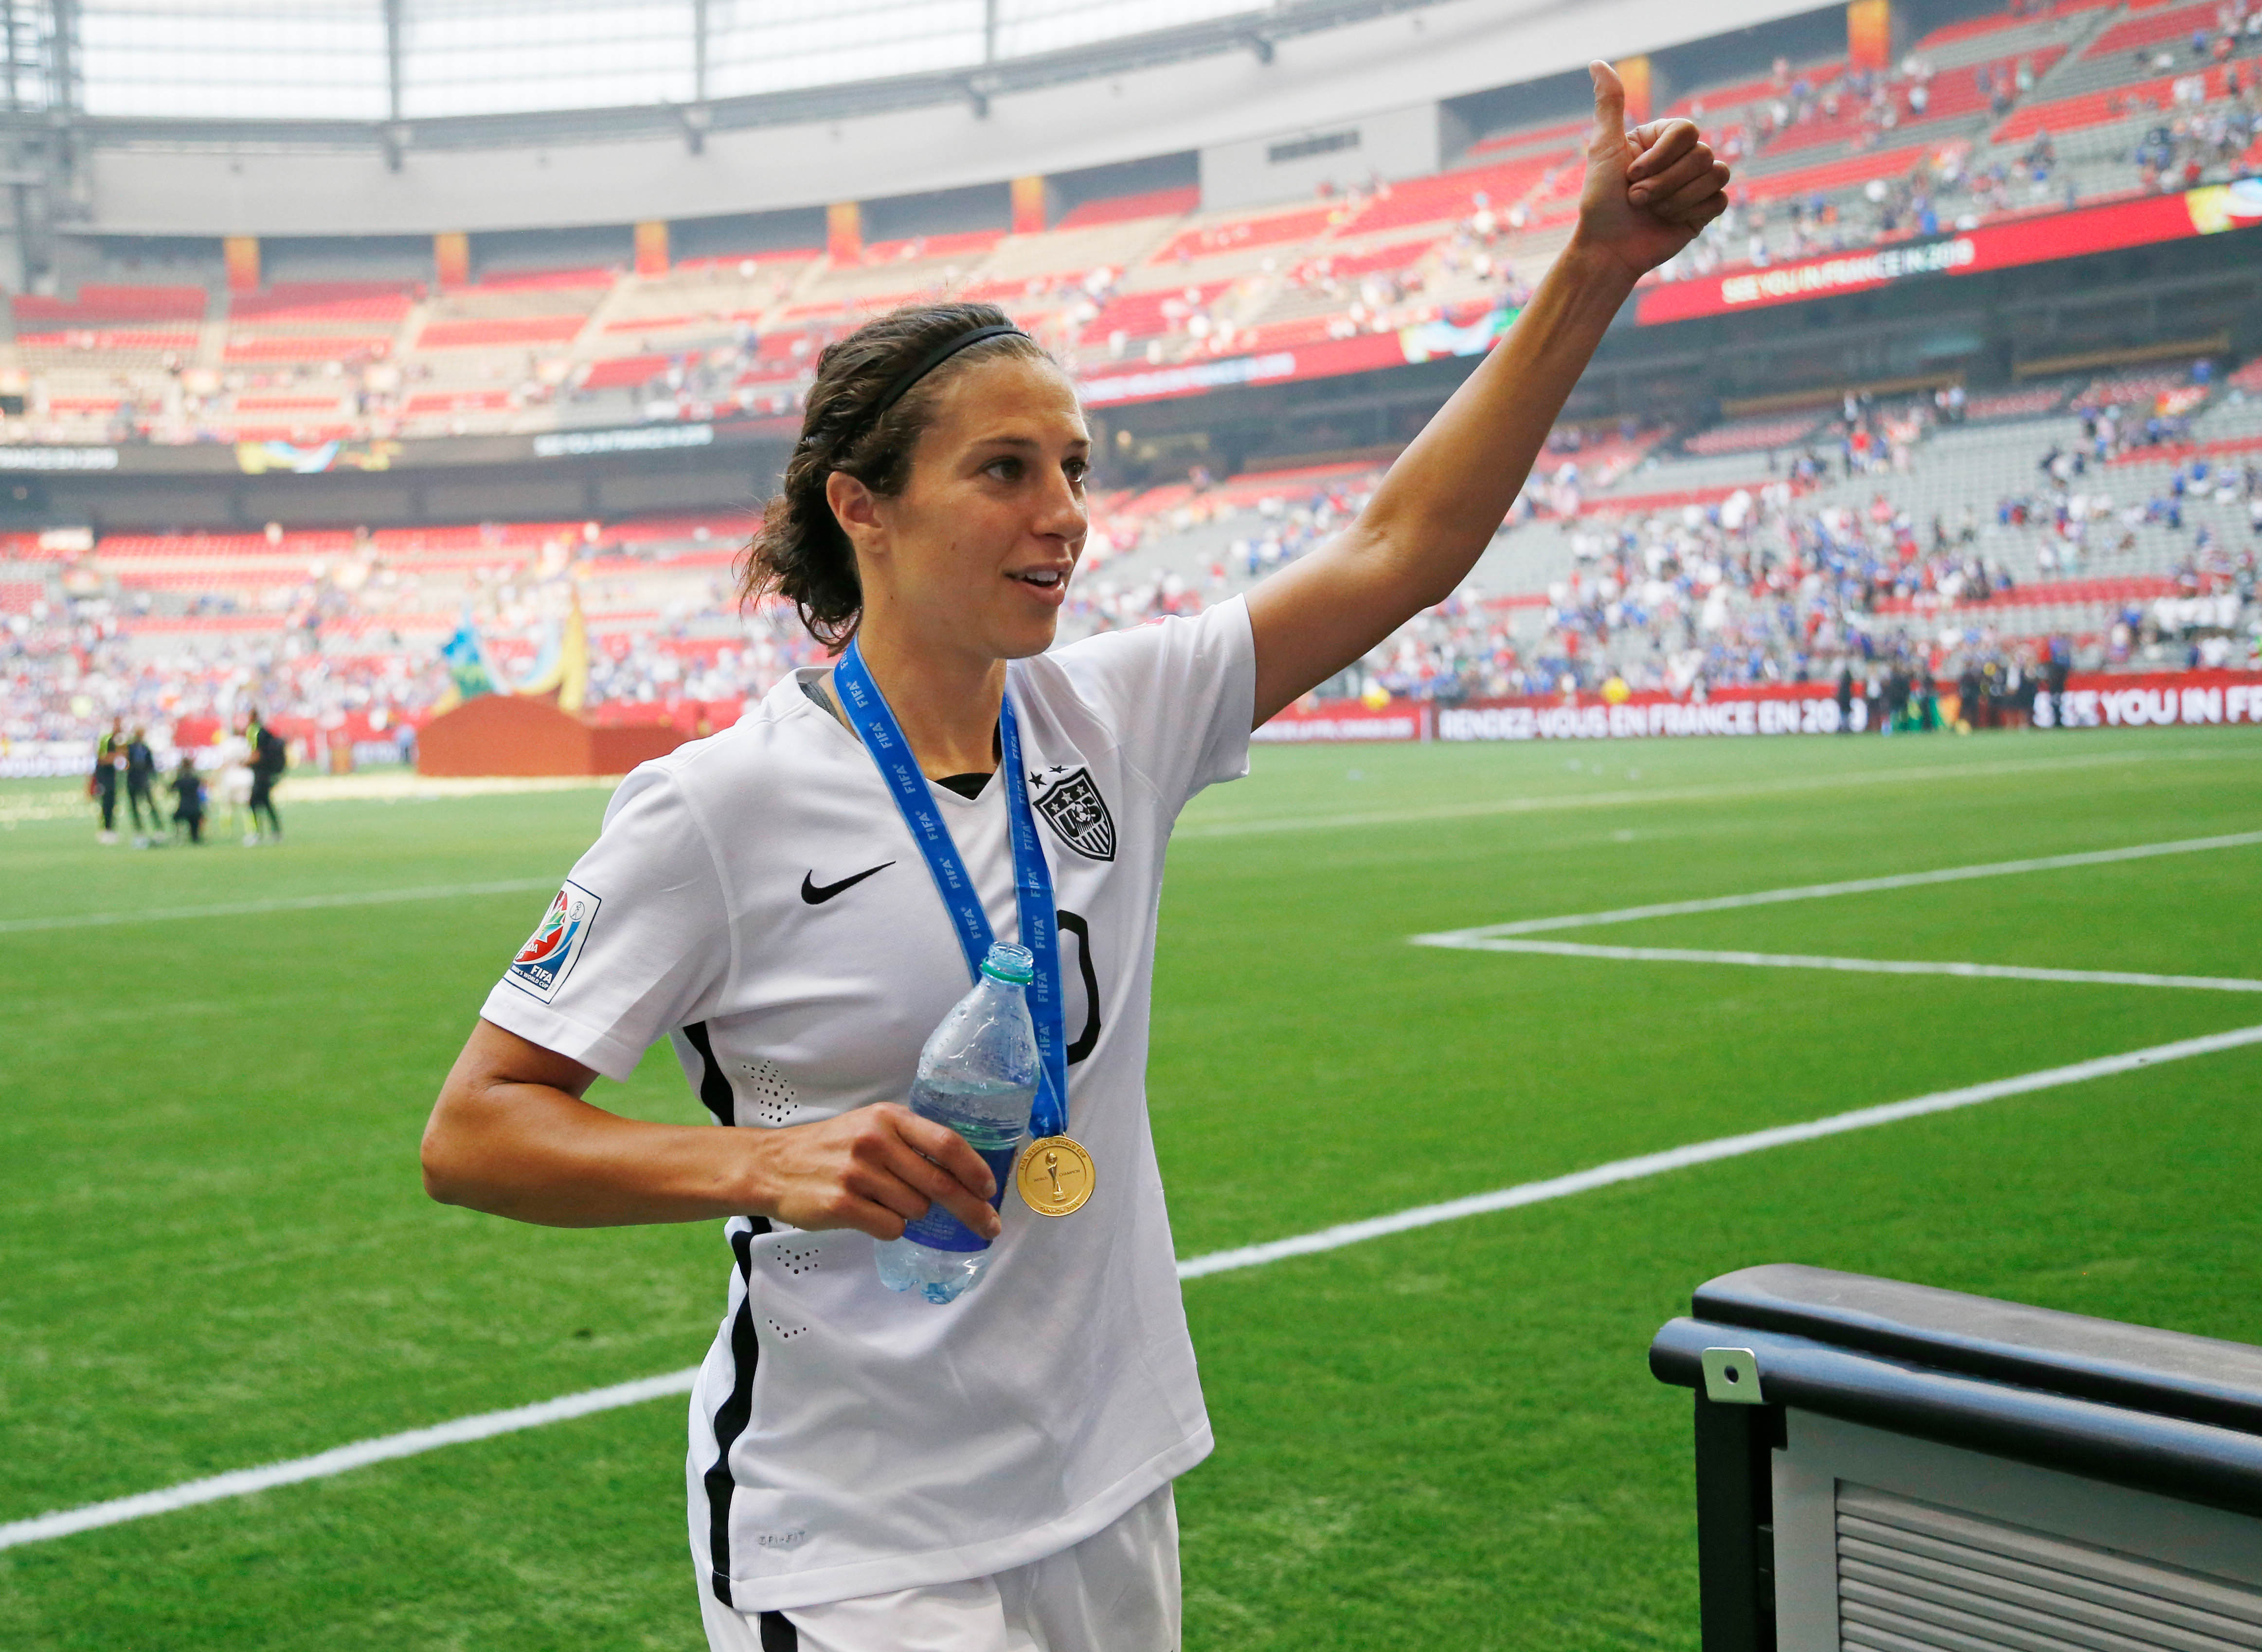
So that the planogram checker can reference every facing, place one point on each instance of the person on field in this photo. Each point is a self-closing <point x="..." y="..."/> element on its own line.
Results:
<point x="233" y="763"/>
<point x="789" y="903"/>
<point x="109" y="758"/>
<point x="140" y="784"/>
<point x="270" y="756"/>
<point x="1897" y="699"/>
<point x="188" y="800"/>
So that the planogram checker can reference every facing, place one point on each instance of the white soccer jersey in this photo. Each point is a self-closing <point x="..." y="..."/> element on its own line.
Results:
<point x="757" y="896"/>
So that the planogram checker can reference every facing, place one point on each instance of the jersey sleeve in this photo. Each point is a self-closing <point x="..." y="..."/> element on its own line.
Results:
<point x="1180" y="693"/>
<point x="636" y="944"/>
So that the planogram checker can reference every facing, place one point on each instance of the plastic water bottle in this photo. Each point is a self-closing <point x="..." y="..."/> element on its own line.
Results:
<point x="978" y="1075"/>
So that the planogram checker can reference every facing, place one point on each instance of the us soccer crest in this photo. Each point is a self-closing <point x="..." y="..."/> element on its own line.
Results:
<point x="541" y="965"/>
<point x="1072" y="805"/>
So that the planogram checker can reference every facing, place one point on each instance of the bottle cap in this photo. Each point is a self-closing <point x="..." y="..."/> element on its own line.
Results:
<point x="1009" y="962"/>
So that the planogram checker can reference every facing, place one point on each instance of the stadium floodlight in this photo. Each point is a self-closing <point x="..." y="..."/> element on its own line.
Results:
<point x="1878" y="1460"/>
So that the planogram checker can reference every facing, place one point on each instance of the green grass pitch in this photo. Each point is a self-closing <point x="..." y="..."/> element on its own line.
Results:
<point x="216" y="1254"/>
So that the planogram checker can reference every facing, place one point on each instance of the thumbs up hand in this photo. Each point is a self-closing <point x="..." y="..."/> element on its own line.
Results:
<point x="1648" y="190"/>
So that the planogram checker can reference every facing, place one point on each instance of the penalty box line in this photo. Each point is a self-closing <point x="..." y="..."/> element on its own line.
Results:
<point x="1868" y="966"/>
<point x="487" y="1425"/>
<point x="1475" y="938"/>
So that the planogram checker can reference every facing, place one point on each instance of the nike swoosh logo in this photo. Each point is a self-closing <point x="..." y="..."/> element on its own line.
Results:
<point x="817" y="895"/>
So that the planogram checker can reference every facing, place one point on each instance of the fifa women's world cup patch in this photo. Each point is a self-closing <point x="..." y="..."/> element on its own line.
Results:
<point x="541" y="965"/>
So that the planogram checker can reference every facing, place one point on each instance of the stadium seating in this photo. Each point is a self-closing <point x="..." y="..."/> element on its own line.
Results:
<point x="311" y="348"/>
<point x="100" y="305"/>
<point x="513" y="329"/>
<point x="541" y="349"/>
<point x="1140" y="315"/>
<point x="122" y="344"/>
<point x="2155" y="26"/>
<point x="624" y="371"/>
<point x="316" y="322"/>
<point x="2145" y="507"/>
<point x="1555" y="137"/>
<point x="1753" y="435"/>
<point x="1236" y="236"/>
<point x="2020" y="111"/>
<point x="2017" y="404"/>
<point x="1175" y="202"/>
<point x="324" y="302"/>
<point x="2137" y="99"/>
<point x="1950" y="97"/>
<point x="1455" y="194"/>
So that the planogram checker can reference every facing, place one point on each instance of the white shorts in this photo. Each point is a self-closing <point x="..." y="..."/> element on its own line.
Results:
<point x="1115" y="1591"/>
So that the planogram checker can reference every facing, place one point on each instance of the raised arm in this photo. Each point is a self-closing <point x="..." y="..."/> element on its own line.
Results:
<point x="1647" y="193"/>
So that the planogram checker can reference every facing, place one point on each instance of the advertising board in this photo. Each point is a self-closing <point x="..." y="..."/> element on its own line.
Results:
<point x="2066" y="235"/>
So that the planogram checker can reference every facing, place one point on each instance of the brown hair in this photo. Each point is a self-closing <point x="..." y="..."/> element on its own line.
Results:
<point x="800" y="551"/>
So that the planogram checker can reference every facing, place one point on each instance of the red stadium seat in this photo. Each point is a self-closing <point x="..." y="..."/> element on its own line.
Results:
<point x="1209" y="241"/>
<point x="1123" y="209"/>
<point x="506" y="330"/>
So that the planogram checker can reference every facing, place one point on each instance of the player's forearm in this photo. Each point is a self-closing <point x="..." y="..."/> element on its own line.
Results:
<point x="535" y="1153"/>
<point x="1438" y="507"/>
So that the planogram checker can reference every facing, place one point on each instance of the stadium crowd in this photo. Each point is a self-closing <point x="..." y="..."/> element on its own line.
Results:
<point x="2097" y="522"/>
<point x="1763" y="584"/>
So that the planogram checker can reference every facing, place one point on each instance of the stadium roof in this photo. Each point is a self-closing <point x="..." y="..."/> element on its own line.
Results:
<point x="169" y="118"/>
<point x="324" y="62"/>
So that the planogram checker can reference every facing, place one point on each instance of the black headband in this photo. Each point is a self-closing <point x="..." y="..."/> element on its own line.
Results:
<point x="928" y="362"/>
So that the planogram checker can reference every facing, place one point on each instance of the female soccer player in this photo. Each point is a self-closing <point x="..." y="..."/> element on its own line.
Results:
<point x="869" y="1470"/>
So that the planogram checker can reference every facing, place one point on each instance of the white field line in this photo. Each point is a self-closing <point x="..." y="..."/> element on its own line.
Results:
<point x="1852" y="886"/>
<point x="485" y="1427"/>
<point x="1865" y="966"/>
<point x="293" y="903"/>
<point x="1623" y="1170"/>
<point x="244" y="1481"/>
<point x="1688" y="794"/>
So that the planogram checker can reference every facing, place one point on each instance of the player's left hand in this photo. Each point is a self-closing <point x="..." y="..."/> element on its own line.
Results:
<point x="1648" y="190"/>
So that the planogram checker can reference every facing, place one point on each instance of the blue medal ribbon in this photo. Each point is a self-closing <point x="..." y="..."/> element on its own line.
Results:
<point x="1033" y="881"/>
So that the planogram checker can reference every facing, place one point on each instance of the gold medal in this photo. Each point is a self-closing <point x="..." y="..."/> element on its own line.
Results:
<point x="1054" y="1176"/>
